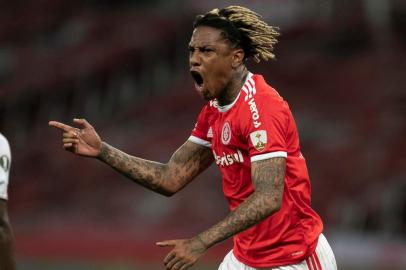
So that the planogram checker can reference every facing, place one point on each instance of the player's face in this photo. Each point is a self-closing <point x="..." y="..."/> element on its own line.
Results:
<point x="210" y="61"/>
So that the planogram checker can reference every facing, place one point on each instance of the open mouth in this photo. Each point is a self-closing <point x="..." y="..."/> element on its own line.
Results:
<point x="199" y="82"/>
<point x="197" y="77"/>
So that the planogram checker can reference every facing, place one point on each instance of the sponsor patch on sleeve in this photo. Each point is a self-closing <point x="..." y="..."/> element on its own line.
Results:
<point x="259" y="139"/>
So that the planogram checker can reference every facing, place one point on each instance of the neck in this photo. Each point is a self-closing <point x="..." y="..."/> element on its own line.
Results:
<point x="232" y="89"/>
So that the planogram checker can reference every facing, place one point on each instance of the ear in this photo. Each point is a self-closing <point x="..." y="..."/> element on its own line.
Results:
<point x="238" y="57"/>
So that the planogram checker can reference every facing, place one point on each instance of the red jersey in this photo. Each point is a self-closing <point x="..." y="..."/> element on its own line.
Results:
<point x="258" y="125"/>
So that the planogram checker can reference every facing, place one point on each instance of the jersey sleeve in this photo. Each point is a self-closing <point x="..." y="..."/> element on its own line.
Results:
<point x="266" y="127"/>
<point x="5" y="163"/>
<point x="201" y="132"/>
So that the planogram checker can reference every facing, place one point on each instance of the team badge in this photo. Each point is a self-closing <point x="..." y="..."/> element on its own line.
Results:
<point x="226" y="133"/>
<point x="259" y="139"/>
<point x="5" y="163"/>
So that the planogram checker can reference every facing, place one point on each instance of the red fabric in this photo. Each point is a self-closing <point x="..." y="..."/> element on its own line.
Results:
<point x="289" y="235"/>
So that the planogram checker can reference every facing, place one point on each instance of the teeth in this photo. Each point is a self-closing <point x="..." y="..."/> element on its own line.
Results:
<point x="199" y="88"/>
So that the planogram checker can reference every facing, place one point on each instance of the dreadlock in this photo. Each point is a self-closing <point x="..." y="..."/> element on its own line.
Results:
<point x="243" y="28"/>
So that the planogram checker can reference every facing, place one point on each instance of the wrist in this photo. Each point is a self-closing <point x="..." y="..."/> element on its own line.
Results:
<point x="204" y="243"/>
<point x="103" y="150"/>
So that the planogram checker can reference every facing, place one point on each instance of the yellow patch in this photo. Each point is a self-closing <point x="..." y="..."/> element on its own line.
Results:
<point x="259" y="139"/>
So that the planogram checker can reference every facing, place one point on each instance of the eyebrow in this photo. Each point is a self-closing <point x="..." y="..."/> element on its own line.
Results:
<point x="202" y="46"/>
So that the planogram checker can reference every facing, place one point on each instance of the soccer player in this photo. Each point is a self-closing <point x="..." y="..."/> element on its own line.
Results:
<point x="247" y="129"/>
<point x="7" y="260"/>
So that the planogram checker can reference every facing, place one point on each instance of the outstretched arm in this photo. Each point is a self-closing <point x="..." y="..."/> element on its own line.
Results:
<point x="187" y="162"/>
<point x="268" y="179"/>
<point x="7" y="260"/>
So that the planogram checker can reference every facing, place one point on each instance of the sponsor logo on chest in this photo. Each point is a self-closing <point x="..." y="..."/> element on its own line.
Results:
<point x="228" y="159"/>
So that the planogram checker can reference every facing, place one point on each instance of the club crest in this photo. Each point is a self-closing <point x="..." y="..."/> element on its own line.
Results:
<point x="259" y="139"/>
<point x="226" y="133"/>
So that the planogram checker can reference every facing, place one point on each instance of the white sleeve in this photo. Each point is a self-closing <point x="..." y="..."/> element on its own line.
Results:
<point x="5" y="164"/>
<point x="199" y="141"/>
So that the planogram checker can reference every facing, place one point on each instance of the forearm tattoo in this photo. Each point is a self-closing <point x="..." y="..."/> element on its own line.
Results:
<point x="268" y="179"/>
<point x="184" y="165"/>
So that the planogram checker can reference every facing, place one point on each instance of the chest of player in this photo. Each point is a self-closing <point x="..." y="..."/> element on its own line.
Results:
<point x="229" y="146"/>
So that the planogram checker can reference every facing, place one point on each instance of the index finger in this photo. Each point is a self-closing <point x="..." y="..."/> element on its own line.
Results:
<point x="60" y="125"/>
<point x="166" y="243"/>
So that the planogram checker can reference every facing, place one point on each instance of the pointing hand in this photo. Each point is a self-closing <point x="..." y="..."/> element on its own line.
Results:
<point x="82" y="141"/>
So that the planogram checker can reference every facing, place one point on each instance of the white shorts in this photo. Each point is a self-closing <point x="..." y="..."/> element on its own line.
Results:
<point x="322" y="259"/>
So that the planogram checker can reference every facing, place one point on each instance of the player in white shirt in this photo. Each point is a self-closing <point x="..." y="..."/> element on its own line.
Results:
<point x="7" y="260"/>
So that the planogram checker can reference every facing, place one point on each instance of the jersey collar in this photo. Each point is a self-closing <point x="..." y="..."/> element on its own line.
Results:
<point x="227" y="107"/>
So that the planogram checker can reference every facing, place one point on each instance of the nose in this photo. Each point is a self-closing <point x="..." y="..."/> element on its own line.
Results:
<point x="194" y="59"/>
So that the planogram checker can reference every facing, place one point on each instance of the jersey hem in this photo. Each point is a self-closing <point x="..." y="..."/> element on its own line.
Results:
<point x="269" y="155"/>
<point x="267" y="265"/>
<point x="199" y="141"/>
<point x="282" y="262"/>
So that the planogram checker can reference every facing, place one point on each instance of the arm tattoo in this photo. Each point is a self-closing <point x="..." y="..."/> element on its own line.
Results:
<point x="188" y="161"/>
<point x="268" y="179"/>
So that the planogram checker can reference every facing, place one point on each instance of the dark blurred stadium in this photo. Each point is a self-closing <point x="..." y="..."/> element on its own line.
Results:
<point x="123" y="65"/>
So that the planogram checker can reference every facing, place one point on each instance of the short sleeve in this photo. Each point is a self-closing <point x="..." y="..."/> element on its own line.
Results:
<point x="5" y="164"/>
<point x="202" y="134"/>
<point x="266" y="129"/>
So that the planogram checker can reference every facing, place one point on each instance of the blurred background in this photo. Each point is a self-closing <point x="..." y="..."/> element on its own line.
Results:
<point x="123" y="65"/>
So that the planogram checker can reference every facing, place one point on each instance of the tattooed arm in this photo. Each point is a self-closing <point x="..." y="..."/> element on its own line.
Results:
<point x="268" y="179"/>
<point x="187" y="162"/>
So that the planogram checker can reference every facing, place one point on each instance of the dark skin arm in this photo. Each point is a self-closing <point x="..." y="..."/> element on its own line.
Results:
<point x="268" y="179"/>
<point x="189" y="160"/>
<point x="185" y="164"/>
<point x="7" y="260"/>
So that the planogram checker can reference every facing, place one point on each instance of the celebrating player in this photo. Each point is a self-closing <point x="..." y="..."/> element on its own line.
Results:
<point x="7" y="261"/>
<point x="247" y="129"/>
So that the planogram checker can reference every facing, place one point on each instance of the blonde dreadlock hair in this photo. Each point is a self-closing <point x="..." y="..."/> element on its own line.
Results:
<point x="243" y="28"/>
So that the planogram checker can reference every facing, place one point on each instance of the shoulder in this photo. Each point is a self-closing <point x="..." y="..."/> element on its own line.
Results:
<point x="4" y="145"/>
<point x="5" y="155"/>
<point x="258" y="94"/>
<point x="209" y="110"/>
